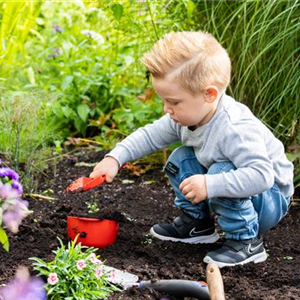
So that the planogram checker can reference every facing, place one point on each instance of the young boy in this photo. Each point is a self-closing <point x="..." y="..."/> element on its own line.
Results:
<point x="230" y="164"/>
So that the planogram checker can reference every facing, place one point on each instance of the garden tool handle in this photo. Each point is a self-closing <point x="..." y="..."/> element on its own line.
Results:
<point x="215" y="282"/>
<point x="177" y="287"/>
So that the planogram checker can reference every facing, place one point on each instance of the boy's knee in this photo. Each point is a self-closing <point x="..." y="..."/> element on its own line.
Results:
<point x="221" y="167"/>
<point x="183" y="163"/>
<point x="179" y="154"/>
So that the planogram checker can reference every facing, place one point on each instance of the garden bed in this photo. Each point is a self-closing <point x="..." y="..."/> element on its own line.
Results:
<point x="138" y="202"/>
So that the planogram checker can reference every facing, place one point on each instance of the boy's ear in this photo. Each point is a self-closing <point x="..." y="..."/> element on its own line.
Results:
<point x="211" y="93"/>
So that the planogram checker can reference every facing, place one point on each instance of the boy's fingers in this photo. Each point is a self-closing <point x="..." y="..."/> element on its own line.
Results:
<point x="109" y="179"/>
<point x="190" y="196"/>
<point x="184" y="190"/>
<point x="183" y="184"/>
<point x="96" y="174"/>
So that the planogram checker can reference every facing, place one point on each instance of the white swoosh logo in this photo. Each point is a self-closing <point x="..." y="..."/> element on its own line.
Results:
<point x="251" y="250"/>
<point x="194" y="232"/>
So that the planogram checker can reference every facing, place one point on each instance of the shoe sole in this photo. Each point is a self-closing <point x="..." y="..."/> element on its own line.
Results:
<point x="203" y="239"/>
<point x="257" y="258"/>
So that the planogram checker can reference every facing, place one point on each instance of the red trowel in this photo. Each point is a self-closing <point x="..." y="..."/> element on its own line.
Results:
<point x="84" y="184"/>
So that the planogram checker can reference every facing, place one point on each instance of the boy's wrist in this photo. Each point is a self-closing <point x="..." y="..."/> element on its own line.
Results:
<point x="108" y="156"/>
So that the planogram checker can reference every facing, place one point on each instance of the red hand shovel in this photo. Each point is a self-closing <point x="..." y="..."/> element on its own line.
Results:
<point x="84" y="184"/>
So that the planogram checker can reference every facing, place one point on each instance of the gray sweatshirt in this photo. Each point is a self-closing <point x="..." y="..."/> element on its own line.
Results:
<point x="233" y="134"/>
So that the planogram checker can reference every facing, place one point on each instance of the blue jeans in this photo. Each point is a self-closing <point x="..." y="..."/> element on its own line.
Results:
<point x="239" y="218"/>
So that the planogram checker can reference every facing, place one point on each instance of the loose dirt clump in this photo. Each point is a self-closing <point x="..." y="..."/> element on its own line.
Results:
<point x="138" y="202"/>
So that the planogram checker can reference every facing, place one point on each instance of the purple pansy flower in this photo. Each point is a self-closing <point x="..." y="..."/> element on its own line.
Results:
<point x="7" y="172"/>
<point x="14" y="209"/>
<point x="17" y="186"/>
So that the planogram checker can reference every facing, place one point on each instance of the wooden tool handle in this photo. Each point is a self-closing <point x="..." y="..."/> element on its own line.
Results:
<point x="215" y="282"/>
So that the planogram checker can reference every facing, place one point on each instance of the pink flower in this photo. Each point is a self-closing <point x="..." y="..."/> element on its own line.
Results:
<point x="99" y="272"/>
<point x="94" y="259"/>
<point x="52" y="279"/>
<point x="81" y="264"/>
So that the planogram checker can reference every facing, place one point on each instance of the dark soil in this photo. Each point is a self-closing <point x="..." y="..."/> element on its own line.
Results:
<point x="138" y="202"/>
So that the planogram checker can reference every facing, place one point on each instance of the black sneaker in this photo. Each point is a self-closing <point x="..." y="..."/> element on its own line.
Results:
<point x="187" y="230"/>
<point x="235" y="252"/>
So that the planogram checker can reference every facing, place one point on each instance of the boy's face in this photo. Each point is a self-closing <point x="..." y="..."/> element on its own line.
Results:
<point x="183" y="107"/>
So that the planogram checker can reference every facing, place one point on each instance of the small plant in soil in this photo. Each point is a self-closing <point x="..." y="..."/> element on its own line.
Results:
<point x="92" y="207"/>
<point x="74" y="274"/>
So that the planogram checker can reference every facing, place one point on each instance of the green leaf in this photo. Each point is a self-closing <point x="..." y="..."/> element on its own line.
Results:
<point x="292" y="157"/>
<point x="80" y="126"/>
<point x="190" y="6"/>
<point x="66" y="82"/>
<point x="117" y="10"/>
<point x="83" y="111"/>
<point x="31" y="77"/>
<point x="4" y="239"/>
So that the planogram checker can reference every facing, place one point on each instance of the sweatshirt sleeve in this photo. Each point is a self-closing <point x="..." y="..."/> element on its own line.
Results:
<point x="146" y="140"/>
<point x="243" y="144"/>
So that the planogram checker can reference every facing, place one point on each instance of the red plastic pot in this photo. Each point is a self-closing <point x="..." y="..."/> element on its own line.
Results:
<point x="92" y="232"/>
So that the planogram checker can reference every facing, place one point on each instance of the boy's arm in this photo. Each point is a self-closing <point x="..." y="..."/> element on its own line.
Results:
<point x="138" y="144"/>
<point x="146" y="140"/>
<point x="245" y="147"/>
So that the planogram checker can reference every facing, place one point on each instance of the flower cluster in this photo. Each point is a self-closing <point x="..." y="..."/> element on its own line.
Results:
<point x="12" y="208"/>
<point x="24" y="287"/>
<point x="76" y="272"/>
<point x="81" y="264"/>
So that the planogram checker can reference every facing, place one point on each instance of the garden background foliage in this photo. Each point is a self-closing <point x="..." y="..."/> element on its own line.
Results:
<point x="72" y="68"/>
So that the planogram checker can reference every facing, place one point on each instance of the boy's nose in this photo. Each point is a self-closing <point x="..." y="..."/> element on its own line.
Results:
<point x="167" y="110"/>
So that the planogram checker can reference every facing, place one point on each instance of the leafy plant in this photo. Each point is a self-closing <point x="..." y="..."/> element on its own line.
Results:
<point x="74" y="274"/>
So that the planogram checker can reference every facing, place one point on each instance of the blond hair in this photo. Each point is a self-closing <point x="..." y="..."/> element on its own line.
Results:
<point x="196" y="59"/>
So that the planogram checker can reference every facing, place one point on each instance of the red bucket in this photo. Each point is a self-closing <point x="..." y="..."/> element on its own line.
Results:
<point x="92" y="232"/>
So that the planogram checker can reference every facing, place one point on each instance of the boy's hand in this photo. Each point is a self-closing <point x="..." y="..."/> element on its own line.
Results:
<point x="108" y="167"/>
<point x="194" y="188"/>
